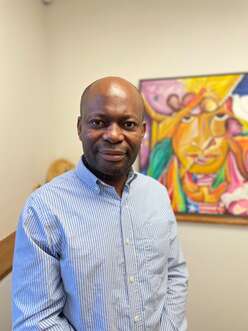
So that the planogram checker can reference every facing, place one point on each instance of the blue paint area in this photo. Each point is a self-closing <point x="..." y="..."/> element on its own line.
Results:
<point x="192" y="207"/>
<point x="194" y="177"/>
<point x="143" y="171"/>
<point x="242" y="88"/>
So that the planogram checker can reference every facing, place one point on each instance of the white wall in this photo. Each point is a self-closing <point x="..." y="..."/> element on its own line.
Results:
<point x="145" y="39"/>
<point x="49" y="54"/>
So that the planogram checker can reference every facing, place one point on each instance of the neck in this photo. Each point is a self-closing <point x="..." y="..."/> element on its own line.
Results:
<point x="117" y="182"/>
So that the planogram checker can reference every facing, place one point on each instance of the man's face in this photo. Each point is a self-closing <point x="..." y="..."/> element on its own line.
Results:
<point x="111" y="130"/>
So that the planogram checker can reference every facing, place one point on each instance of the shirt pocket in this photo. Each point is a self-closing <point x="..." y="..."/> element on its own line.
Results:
<point x="158" y="234"/>
<point x="152" y="253"/>
<point x="153" y="245"/>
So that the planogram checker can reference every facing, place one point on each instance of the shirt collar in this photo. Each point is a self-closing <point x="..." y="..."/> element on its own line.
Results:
<point x="92" y="181"/>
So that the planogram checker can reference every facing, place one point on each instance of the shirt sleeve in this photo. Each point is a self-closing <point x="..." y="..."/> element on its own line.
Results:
<point x="174" y="318"/>
<point x="38" y="296"/>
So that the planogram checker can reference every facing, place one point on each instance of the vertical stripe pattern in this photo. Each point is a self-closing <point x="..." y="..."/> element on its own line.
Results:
<point x="86" y="259"/>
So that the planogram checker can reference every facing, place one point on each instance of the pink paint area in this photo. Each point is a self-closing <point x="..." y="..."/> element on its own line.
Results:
<point x="144" y="154"/>
<point x="234" y="127"/>
<point x="236" y="197"/>
<point x="157" y="93"/>
<point x="145" y="147"/>
<point x="236" y="179"/>
<point x="239" y="207"/>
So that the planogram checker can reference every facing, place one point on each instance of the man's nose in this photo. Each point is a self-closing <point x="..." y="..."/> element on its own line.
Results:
<point x="113" y="133"/>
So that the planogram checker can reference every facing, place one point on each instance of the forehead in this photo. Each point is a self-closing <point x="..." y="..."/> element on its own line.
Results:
<point x="114" y="105"/>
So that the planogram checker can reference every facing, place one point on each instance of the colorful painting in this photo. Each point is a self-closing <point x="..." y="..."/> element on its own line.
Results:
<point x="196" y="143"/>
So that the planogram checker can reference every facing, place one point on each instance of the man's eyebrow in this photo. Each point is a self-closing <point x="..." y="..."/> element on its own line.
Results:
<point x="96" y="114"/>
<point x="133" y="116"/>
<point x="103" y="114"/>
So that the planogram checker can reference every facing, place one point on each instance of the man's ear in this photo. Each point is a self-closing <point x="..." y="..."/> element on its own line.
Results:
<point x="79" y="129"/>
<point x="143" y="128"/>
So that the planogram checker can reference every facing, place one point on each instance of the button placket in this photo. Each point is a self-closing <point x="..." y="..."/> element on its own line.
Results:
<point x="130" y="263"/>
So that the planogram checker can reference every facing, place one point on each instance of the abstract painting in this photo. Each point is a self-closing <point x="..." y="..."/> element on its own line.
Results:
<point x="196" y="144"/>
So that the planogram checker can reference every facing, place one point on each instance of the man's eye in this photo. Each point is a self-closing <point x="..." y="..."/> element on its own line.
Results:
<point x="129" y="125"/>
<point x="96" y="124"/>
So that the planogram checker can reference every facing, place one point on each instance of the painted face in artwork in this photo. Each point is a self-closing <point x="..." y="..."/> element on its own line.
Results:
<point x="199" y="141"/>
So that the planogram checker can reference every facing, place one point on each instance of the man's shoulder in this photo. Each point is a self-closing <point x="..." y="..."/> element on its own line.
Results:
<point x="143" y="179"/>
<point x="59" y="186"/>
<point x="64" y="180"/>
<point x="150" y="192"/>
<point x="150" y="187"/>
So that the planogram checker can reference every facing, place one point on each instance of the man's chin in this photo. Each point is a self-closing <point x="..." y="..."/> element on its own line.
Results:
<point x="113" y="158"/>
<point x="109" y="169"/>
<point x="114" y="171"/>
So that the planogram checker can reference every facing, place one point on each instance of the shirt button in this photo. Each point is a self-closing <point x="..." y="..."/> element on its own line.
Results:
<point x="131" y="279"/>
<point x="136" y="318"/>
<point x="127" y="241"/>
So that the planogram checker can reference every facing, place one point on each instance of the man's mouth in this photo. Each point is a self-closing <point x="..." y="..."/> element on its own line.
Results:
<point x="112" y="155"/>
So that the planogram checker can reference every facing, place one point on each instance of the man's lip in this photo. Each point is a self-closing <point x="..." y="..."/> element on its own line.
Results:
<point x="112" y="155"/>
<point x="112" y="152"/>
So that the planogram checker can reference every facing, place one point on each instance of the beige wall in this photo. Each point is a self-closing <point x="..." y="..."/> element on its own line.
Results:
<point x="51" y="53"/>
<point x="137" y="39"/>
<point x="145" y="39"/>
<point x="24" y="112"/>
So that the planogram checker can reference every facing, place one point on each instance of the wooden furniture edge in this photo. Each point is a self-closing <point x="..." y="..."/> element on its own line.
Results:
<point x="201" y="218"/>
<point x="6" y="254"/>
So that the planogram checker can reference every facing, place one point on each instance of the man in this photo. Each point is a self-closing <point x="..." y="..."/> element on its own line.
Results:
<point x="97" y="248"/>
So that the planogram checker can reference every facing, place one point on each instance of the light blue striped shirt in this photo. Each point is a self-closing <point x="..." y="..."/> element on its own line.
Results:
<point x="86" y="259"/>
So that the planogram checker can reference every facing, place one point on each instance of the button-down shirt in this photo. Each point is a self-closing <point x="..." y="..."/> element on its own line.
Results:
<point x="88" y="259"/>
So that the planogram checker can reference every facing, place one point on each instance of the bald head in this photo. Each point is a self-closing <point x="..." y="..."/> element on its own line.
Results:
<point x="111" y="128"/>
<point x="111" y="87"/>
